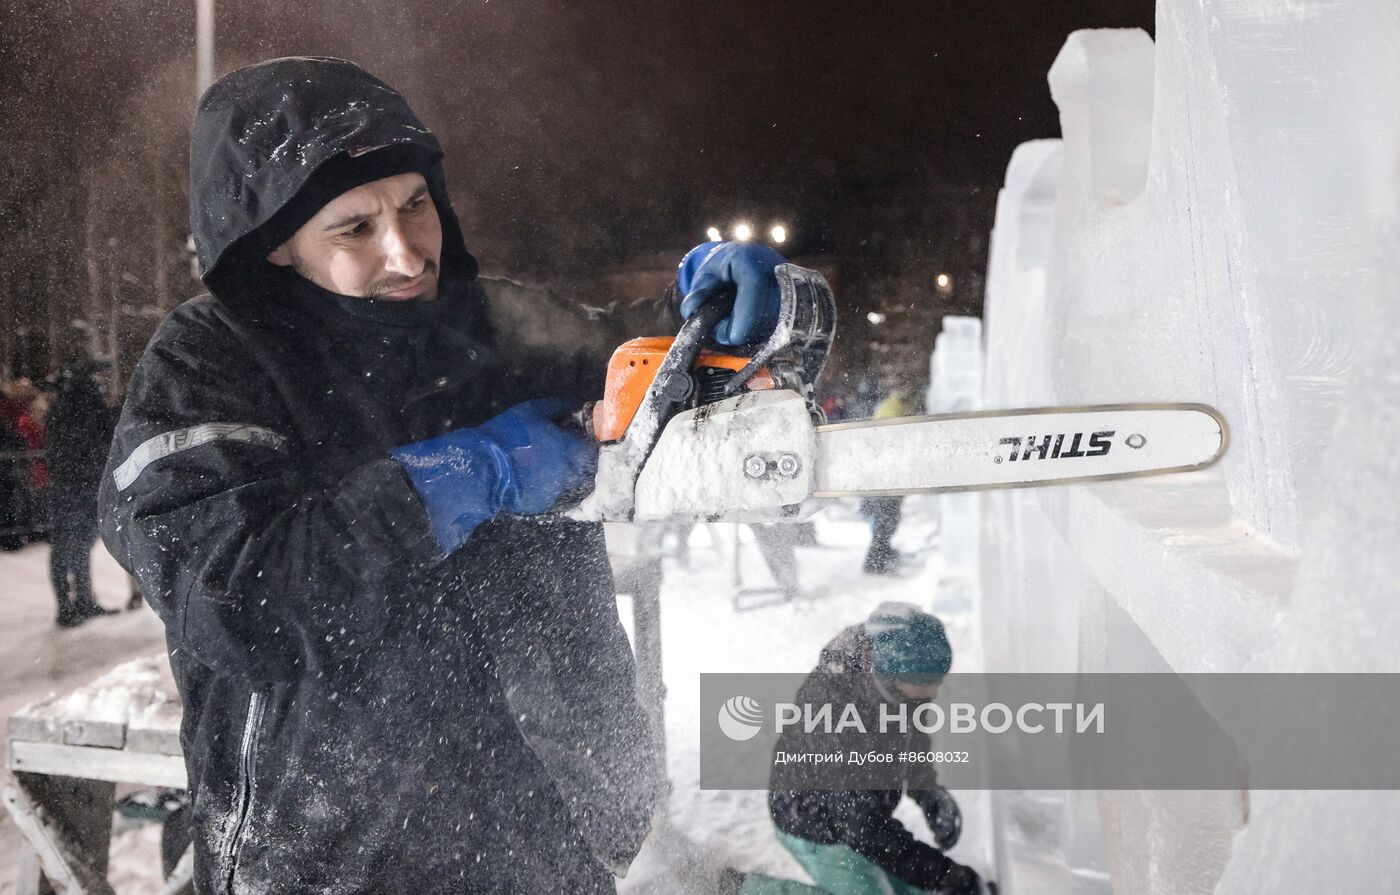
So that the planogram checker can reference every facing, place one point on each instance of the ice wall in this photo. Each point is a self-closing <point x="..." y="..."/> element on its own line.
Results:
<point x="1215" y="226"/>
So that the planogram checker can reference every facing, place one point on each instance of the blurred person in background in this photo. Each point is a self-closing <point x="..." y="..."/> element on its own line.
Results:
<point x="79" y="433"/>
<point x="884" y="512"/>
<point x="23" y="475"/>
<point x="11" y="478"/>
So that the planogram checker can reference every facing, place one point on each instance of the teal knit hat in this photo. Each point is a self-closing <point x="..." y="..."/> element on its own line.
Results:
<point x="908" y="644"/>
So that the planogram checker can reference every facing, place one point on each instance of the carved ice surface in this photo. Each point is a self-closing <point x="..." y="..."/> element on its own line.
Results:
<point x="1215" y="226"/>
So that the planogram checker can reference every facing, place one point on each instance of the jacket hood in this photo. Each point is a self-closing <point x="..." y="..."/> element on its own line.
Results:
<point x="262" y="132"/>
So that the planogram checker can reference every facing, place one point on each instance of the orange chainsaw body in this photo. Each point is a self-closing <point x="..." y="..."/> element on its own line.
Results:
<point x="630" y="374"/>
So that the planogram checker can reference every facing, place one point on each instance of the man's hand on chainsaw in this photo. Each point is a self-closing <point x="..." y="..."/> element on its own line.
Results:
<point x="743" y="269"/>
<point x="520" y="461"/>
<point x="548" y="461"/>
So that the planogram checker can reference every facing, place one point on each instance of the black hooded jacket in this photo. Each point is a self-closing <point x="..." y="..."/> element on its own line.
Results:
<point x="362" y="714"/>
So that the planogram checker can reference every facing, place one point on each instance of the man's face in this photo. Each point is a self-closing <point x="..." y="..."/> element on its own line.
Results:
<point x="380" y="240"/>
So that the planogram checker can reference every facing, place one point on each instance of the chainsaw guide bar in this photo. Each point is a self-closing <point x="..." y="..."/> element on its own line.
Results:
<point x="1015" y="448"/>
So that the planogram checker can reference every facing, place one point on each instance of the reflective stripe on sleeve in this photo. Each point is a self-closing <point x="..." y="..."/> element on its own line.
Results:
<point x="167" y="443"/>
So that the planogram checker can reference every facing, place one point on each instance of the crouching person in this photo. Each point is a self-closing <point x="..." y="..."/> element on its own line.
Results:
<point x="849" y="841"/>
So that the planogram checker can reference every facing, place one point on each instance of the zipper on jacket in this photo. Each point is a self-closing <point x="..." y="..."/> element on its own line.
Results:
<point x="247" y="765"/>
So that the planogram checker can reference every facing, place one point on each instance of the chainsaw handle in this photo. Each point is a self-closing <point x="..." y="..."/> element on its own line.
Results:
<point x="672" y="384"/>
<point x="695" y="331"/>
<point x="805" y="328"/>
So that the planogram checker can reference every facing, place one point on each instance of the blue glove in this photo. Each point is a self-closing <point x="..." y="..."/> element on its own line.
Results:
<point x="744" y="268"/>
<point x="517" y="462"/>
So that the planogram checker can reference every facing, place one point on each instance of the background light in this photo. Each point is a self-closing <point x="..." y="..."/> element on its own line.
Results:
<point x="779" y="233"/>
<point x="944" y="282"/>
<point x="743" y="231"/>
<point x="875" y="317"/>
<point x="714" y="234"/>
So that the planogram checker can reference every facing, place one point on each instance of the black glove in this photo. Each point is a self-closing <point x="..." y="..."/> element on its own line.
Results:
<point x="943" y="815"/>
<point x="961" y="880"/>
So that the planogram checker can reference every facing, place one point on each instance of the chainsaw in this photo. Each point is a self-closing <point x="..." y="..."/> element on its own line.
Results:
<point x="688" y="429"/>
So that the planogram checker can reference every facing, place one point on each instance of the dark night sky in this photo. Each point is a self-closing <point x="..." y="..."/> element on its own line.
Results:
<point x="577" y="134"/>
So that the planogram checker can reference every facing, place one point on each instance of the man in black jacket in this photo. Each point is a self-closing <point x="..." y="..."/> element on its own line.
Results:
<point x="331" y="479"/>
<point x="849" y="840"/>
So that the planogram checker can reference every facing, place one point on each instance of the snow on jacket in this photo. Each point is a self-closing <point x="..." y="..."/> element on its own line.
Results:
<point x="862" y="819"/>
<point x="362" y="714"/>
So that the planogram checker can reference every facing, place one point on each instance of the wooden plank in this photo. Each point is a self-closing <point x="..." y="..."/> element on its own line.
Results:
<point x="36" y="722"/>
<point x="30" y="880"/>
<point x="71" y="851"/>
<point x="137" y="694"/>
<point x="95" y="763"/>
<point x="157" y="731"/>
<point x="108" y="734"/>
<point x="158" y="712"/>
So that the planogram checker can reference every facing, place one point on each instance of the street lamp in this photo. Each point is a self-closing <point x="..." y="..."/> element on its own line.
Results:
<point x="204" y="47"/>
<point x="743" y="231"/>
<point x="203" y="80"/>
